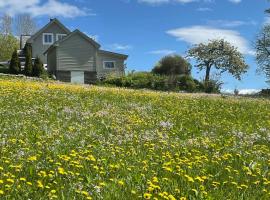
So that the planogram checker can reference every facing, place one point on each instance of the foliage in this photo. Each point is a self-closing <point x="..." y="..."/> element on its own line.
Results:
<point x="63" y="141"/>
<point x="7" y="45"/>
<point x="263" y="51"/>
<point x="213" y="86"/>
<point x="172" y="65"/>
<point x="38" y="68"/>
<point x="187" y="83"/>
<point x="221" y="55"/>
<point x="15" y="65"/>
<point x="28" y="68"/>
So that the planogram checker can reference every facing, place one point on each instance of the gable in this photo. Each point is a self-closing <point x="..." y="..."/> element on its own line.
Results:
<point x="54" y="26"/>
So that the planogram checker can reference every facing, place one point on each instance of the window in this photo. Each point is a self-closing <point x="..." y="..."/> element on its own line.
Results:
<point x="60" y="36"/>
<point x="108" y="64"/>
<point x="47" y="38"/>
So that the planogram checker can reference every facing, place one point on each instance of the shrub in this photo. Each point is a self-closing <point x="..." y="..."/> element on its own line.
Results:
<point x="15" y="66"/>
<point x="172" y="65"/>
<point x="38" y="69"/>
<point x="186" y="83"/>
<point x="213" y="86"/>
<point x="28" y="60"/>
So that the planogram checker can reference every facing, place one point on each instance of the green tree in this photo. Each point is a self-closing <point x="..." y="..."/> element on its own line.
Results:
<point x="38" y="68"/>
<point x="172" y="65"/>
<point x="28" y="68"/>
<point x="7" y="45"/>
<point x="263" y="50"/>
<point x="15" y="66"/>
<point x="221" y="55"/>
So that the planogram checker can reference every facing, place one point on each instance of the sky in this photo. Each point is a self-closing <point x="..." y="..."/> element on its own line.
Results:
<point x="147" y="30"/>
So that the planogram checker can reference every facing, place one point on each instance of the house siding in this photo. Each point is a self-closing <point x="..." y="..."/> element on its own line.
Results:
<point x="76" y="54"/>
<point x="119" y="64"/>
<point x="37" y="45"/>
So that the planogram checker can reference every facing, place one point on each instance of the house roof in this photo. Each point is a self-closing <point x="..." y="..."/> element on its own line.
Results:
<point x="113" y="53"/>
<point x="52" y="21"/>
<point x="57" y="43"/>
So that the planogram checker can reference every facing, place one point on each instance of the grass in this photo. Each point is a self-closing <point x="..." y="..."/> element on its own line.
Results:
<point x="76" y="142"/>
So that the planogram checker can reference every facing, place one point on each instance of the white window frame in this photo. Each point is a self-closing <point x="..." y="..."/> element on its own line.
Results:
<point x="104" y="66"/>
<point x="57" y="36"/>
<point x="43" y="38"/>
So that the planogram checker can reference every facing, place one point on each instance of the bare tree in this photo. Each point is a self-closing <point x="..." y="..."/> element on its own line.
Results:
<point x="6" y="24"/>
<point x="25" y="25"/>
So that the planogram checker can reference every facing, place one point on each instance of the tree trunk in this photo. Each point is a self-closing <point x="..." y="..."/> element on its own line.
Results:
<point x="207" y="74"/>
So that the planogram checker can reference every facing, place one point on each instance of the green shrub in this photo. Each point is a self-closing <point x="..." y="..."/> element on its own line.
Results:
<point x="213" y="86"/>
<point x="15" y="66"/>
<point x="38" y="69"/>
<point x="172" y="65"/>
<point x="186" y="83"/>
<point x="28" y="68"/>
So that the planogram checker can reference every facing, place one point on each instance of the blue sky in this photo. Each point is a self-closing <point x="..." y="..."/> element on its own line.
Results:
<point x="147" y="30"/>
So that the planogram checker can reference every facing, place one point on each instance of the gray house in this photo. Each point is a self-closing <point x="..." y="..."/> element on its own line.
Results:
<point x="73" y="56"/>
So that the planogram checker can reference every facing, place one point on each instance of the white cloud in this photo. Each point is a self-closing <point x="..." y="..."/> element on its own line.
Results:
<point x="117" y="46"/>
<point x="41" y="8"/>
<point x="162" y="52"/>
<point x="235" y="1"/>
<point x="230" y="24"/>
<point x="204" y="9"/>
<point x="241" y="91"/>
<point x="202" y="34"/>
<point x="156" y="2"/>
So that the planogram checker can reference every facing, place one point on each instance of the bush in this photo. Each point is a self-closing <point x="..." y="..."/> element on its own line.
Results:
<point x="213" y="86"/>
<point x="172" y="65"/>
<point x="15" y="66"/>
<point x="186" y="83"/>
<point x="38" y="69"/>
<point x="28" y="69"/>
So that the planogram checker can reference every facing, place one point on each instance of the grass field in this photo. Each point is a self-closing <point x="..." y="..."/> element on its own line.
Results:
<point x="62" y="141"/>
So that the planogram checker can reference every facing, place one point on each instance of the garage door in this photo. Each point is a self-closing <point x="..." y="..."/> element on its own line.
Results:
<point x="77" y="77"/>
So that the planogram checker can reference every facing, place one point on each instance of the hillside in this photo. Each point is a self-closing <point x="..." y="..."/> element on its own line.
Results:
<point x="76" y="142"/>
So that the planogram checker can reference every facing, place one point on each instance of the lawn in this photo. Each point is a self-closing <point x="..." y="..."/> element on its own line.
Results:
<point x="62" y="141"/>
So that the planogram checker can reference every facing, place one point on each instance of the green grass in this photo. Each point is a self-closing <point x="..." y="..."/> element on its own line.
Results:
<point x="73" y="142"/>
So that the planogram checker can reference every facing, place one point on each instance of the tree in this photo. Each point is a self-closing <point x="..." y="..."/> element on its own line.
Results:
<point x="221" y="55"/>
<point x="28" y="69"/>
<point x="6" y="25"/>
<point x="263" y="51"/>
<point x="38" y="68"/>
<point x="172" y="65"/>
<point x="7" y="45"/>
<point x="25" y="25"/>
<point x="15" y="65"/>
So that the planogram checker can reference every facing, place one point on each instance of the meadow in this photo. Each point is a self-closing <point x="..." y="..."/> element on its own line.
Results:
<point x="63" y="141"/>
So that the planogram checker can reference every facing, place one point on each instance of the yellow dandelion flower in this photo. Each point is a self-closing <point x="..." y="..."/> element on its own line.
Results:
<point x="121" y="183"/>
<point x="147" y="195"/>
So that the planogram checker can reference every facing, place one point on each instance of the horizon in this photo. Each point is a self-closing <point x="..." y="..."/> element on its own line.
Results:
<point x="147" y="30"/>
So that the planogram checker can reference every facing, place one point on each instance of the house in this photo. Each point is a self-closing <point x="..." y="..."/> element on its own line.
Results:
<point x="73" y="56"/>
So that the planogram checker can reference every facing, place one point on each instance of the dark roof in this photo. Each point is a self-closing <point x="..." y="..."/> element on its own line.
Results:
<point x="52" y="21"/>
<point x="114" y="54"/>
<point x="57" y="43"/>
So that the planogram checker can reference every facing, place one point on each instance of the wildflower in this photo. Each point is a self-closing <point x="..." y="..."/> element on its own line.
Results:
<point x="32" y="158"/>
<point x="1" y="192"/>
<point x="39" y="184"/>
<point x="121" y="183"/>
<point x="147" y="195"/>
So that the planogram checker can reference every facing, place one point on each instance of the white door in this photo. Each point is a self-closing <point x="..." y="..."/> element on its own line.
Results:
<point x="77" y="77"/>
